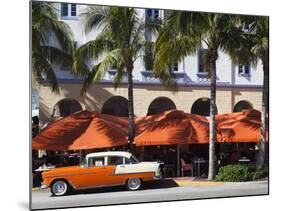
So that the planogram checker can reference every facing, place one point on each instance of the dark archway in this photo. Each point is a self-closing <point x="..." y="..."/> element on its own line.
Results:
<point x="160" y="105"/>
<point x="242" y="105"/>
<point x="66" y="107"/>
<point x="116" y="106"/>
<point x="201" y="107"/>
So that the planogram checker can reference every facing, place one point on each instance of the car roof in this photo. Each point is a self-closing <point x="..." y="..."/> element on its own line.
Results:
<point x="110" y="153"/>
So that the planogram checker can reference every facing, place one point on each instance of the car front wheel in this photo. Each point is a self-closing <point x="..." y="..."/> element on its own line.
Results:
<point x="59" y="188"/>
<point x="134" y="184"/>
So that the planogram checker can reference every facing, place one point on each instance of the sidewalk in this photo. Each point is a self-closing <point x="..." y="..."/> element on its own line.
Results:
<point x="194" y="181"/>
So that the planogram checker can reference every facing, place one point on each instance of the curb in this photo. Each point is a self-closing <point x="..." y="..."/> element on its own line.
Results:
<point x="247" y="183"/>
<point x="198" y="183"/>
<point x="38" y="189"/>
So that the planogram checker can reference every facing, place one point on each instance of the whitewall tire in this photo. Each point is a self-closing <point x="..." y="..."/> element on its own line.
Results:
<point x="134" y="184"/>
<point x="59" y="188"/>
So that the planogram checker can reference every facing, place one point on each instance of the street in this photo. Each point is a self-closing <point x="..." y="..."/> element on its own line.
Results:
<point x="155" y="191"/>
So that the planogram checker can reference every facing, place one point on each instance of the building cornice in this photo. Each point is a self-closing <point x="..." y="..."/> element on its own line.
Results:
<point x="187" y="84"/>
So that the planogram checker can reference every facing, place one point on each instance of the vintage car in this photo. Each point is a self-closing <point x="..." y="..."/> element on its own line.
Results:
<point x="101" y="169"/>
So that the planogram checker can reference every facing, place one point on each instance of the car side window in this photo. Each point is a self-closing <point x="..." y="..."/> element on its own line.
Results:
<point x="114" y="160"/>
<point x="96" y="161"/>
<point x="133" y="160"/>
<point x="127" y="161"/>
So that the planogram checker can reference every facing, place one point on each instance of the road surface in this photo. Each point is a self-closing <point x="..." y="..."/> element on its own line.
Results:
<point x="157" y="191"/>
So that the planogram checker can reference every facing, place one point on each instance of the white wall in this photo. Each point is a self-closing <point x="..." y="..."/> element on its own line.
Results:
<point x="226" y="71"/>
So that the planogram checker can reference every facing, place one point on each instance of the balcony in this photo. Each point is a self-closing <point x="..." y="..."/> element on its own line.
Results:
<point x="180" y="77"/>
<point x="111" y="75"/>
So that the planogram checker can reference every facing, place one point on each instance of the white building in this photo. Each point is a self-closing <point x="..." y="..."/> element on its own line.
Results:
<point x="239" y="87"/>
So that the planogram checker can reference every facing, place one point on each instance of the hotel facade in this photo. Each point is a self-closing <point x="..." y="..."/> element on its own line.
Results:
<point x="238" y="86"/>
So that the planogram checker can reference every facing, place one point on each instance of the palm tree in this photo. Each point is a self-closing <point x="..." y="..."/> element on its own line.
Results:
<point x="119" y="44"/>
<point x="253" y="45"/>
<point x="51" y="42"/>
<point x="183" y="33"/>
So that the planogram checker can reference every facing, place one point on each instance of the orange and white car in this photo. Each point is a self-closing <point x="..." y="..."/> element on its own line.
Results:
<point x="99" y="170"/>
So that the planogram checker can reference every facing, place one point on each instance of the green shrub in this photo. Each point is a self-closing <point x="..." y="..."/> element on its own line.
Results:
<point x="240" y="173"/>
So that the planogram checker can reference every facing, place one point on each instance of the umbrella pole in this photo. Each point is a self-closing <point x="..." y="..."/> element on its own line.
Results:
<point x="81" y="154"/>
<point x="178" y="160"/>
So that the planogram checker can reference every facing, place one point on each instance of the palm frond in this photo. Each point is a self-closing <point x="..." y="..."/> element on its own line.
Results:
<point x="57" y="55"/>
<point x="87" y="82"/>
<point x="119" y="43"/>
<point x="79" y="67"/>
<point x="95" y="17"/>
<point x="94" y="49"/>
<point x="119" y="75"/>
<point x="43" y="70"/>
<point x="48" y="32"/>
<point x="111" y="59"/>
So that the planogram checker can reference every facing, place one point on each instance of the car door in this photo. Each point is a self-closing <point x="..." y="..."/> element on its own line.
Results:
<point x="94" y="174"/>
<point x="111" y="177"/>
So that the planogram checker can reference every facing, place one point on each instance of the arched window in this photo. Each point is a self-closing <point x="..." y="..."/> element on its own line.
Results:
<point x="66" y="107"/>
<point x="160" y="105"/>
<point x="201" y="107"/>
<point x="242" y="105"/>
<point x="117" y="106"/>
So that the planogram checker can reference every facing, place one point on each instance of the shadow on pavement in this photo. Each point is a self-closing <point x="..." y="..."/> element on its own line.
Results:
<point x="157" y="184"/>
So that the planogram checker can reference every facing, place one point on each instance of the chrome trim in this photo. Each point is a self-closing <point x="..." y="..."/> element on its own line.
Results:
<point x="99" y="186"/>
<point x="42" y="187"/>
<point x="117" y="174"/>
<point x="73" y="174"/>
<point x="157" y="177"/>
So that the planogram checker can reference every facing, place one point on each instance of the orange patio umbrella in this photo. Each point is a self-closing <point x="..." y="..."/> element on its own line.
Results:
<point x="240" y="126"/>
<point x="172" y="127"/>
<point x="102" y="133"/>
<point x="82" y="130"/>
<point x="122" y="122"/>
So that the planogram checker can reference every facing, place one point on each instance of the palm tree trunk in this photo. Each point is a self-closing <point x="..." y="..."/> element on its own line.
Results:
<point x="261" y="153"/>
<point x="212" y="125"/>
<point x="131" y="114"/>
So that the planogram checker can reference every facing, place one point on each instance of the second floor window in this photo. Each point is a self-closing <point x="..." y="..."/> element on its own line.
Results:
<point x="68" y="10"/>
<point x="152" y="13"/>
<point x="64" y="9"/>
<point x="243" y="69"/>
<point x="167" y="14"/>
<point x="202" y="60"/>
<point x="73" y="9"/>
<point x="175" y="67"/>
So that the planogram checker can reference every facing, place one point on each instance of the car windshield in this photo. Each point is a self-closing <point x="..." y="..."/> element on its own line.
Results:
<point x="134" y="160"/>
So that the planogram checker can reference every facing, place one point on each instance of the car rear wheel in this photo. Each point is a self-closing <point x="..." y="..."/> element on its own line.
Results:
<point x="60" y="188"/>
<point x="134" y="184"/>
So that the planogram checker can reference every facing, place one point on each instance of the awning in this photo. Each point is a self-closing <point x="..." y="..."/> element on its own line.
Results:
<point x="82" y="130"/>
<point x="240" y="126"/>
<point x="172" y="127"/>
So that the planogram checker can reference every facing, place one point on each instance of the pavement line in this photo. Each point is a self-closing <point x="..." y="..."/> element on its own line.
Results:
<point x="198" y="183"/>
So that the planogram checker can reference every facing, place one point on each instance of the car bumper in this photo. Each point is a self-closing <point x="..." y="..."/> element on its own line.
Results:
<point x="42" y="187"/>
<point x="157" y="177"/>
